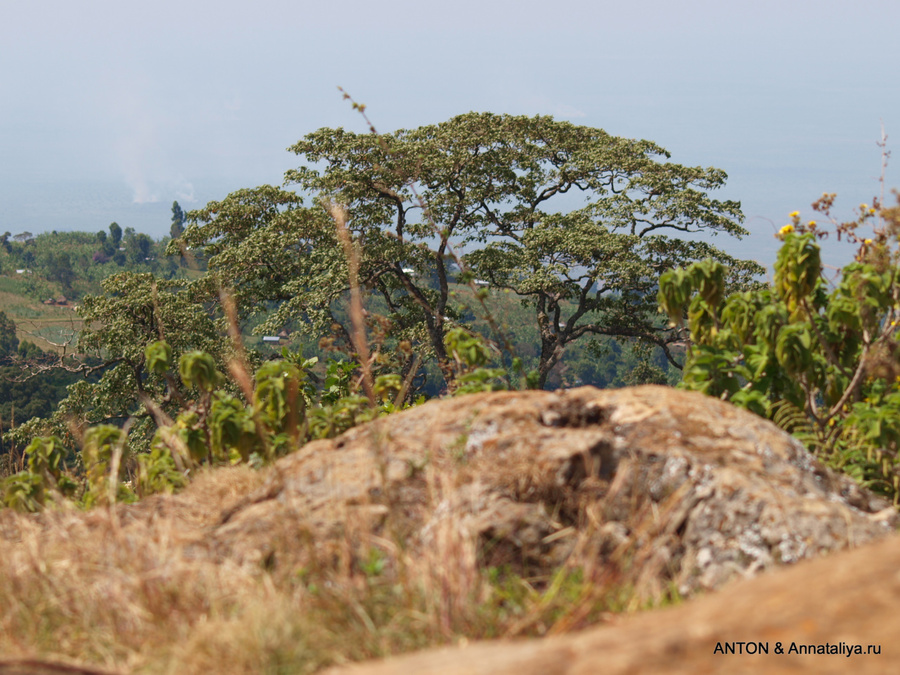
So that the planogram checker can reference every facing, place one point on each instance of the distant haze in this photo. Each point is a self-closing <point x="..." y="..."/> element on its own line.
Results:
<point x="109" y="111"/>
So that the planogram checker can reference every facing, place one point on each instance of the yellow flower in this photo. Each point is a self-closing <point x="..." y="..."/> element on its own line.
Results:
<point x="863" y="207"/>
<point x="811" y="223"/>
<point x="795" y="214"/>
<point x="787" y="229"/>
<point x="867" y="241"/>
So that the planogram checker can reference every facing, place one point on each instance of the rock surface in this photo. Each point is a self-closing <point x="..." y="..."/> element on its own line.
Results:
<point x="839" y="602"/>
<point x="674" y="487"/>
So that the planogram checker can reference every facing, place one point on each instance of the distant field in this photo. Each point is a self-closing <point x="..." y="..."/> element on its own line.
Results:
<point x="47" y="326"/>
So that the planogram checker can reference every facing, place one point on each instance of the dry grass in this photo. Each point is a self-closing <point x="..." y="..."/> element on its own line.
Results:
<point x="110" y="587"/>
<point x="133" y="589"/>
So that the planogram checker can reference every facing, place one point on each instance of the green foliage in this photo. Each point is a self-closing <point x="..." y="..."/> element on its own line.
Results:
<point x="159" y="357"/>
<point x="822" y="362"/>
<point x="115" y="234"/>
<point x="201" y="433"/>
<point x="103" y="448"/>
<point x="231" y="429"/>
<point x="24" y="491"/>
<point x="278" y="403"/>
<point x="28" y="490"/>
<point x="332" y="419"/>
<point x="211" y="425"/>
<point x="198" y="369"/>
<point x="471" y="356"/>
<point x="158" y="472"/>
<point x="338" y="406"/>
<point x="29" y="388"/>
<point x="46" y="458"/>
<point x="281" y="261"/>
<point x="135" y="312"/>
<point x="178" y="220"/>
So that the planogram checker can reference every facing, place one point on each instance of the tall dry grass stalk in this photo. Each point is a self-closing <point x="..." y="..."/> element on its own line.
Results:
<point x="238" y="364"/>
<point x="357" y="313"/>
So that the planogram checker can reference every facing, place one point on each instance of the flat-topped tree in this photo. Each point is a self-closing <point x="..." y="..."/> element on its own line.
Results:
<point x="493" y="187"/>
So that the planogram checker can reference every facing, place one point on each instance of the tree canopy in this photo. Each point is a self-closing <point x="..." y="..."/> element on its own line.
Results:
<point x="578" y="223"/>
<point x="500" y="191"/>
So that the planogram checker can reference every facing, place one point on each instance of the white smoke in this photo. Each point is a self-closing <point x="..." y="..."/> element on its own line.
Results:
<point x="138" y="128"/>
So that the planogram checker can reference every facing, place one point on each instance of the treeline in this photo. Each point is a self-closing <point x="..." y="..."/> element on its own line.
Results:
<point x="72" y="264"/>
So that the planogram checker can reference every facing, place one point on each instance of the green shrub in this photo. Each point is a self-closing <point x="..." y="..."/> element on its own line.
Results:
<point x="819" y="357"/>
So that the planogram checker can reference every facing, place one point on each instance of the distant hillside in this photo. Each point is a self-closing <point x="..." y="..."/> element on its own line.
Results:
<point x="43" y="277"/>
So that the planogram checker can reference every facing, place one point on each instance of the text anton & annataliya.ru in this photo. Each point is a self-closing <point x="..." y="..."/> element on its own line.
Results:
<point x="829" y="648"/>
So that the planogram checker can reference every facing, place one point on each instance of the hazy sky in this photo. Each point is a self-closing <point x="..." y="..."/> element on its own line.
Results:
<point x="112" y="110"/>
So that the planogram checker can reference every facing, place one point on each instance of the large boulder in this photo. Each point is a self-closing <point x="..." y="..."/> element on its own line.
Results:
<point x="675" y="488"/>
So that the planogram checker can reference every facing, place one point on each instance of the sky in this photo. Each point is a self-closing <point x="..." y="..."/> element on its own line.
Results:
<point x="110" y="111"/>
